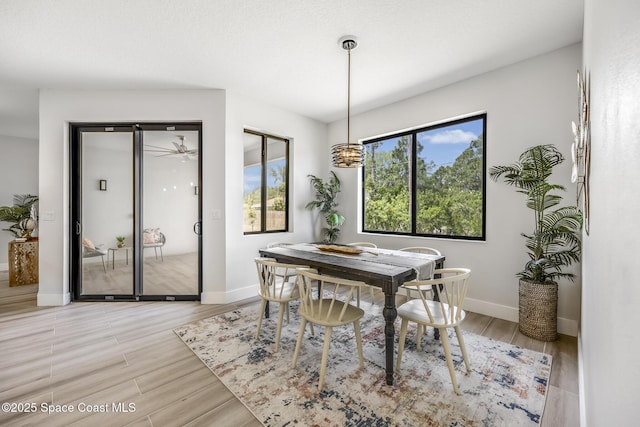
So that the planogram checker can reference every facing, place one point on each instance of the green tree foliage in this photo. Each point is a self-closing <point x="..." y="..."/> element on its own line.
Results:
<point x="448" y="197"/>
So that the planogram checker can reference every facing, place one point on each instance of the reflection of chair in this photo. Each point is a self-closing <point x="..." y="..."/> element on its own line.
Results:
<point x="89" y="251"/>
<point x="273" y="288"/>
<point x="154" y="238"/>
<point x="450" y="286"/>
<point x="327" y="310"/>
<point x="365" y="245"/>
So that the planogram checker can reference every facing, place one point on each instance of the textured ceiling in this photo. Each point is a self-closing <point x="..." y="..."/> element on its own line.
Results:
<point x="282" y="52"/>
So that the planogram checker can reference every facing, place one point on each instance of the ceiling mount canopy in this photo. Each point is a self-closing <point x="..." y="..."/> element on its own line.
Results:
<point x="347" y="155"/>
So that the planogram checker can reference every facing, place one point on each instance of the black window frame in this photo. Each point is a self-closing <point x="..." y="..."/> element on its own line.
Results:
<point x="263" y="181"/>
<point x="413" y="133"/>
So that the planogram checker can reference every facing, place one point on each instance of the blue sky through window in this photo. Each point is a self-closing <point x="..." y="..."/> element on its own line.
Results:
<point x="444" y="145"/>
<point x="252" y="178"/>
<point x="441" y="145"/>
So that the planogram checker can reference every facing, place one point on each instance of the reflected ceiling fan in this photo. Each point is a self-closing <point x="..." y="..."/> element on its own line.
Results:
<point x="180" y="149"/>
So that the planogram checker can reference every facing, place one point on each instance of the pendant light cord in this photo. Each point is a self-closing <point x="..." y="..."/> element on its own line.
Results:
<point x="349" y="97"/>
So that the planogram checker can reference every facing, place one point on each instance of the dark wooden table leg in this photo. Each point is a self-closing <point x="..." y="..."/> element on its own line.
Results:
<point x="436" y="297"/>
<point x="390" y="313"/>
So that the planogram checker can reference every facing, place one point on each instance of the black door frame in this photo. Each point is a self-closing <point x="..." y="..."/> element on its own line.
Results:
<point x="75" y="208"/>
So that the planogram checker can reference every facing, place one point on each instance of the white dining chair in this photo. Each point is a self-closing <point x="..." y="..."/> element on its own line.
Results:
<point x="450" y="286"/>
<point x="420" y="250"/>
<point x="285" y="274"/>
<point x="329" y="307"/>
<point x="274" y="289"/>
<point x="371" y="288"/>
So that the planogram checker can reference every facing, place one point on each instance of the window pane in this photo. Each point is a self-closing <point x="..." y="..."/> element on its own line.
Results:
<point x="427" y="181"/>
<point x="276" y="185"/>
<point x="387" y="185"/>
<point x="266" y="181"/>
<point x="449" y="180"/>
<point x="252" y="182"/>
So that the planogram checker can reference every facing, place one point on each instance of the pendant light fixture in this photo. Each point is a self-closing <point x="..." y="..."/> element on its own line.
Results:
<point x="348" y="155"/>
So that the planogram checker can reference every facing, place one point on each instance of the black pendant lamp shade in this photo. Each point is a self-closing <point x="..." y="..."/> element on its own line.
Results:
<point x="347" y="155"/>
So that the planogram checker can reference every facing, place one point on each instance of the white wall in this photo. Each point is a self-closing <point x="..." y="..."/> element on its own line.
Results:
<point x="307" y="152"/>
<point x="18" y="175"/>
<point x="228" y="268"/>
<point x="529" y="103"/>
<point x="107" y="214"/>
<point x="169" y="200"/>
<point x="59" y="107"/>
<point x="610" y="373"/>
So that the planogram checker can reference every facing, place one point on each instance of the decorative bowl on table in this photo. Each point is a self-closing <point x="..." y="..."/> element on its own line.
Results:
<point x="342" y="249"/>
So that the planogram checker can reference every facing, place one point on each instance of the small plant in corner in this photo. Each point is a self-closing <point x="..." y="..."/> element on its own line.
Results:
<point x="22" y="215"/>
<point x="120" y="240"/>
<point x="326" y="203"/>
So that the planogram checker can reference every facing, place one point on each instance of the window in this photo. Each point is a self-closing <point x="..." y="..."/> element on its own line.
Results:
<point x="427" y="181"/>
<point x="266" y="183"/>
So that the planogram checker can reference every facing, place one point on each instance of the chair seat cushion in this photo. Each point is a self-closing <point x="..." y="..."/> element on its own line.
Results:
<point x="289" y="292"/>
<point x="95" y="252"/>
<point x="88" y="244"/>
<point x="152" y="237"/>
<point x="414" y="311"/>
<point x="319" y="311"/>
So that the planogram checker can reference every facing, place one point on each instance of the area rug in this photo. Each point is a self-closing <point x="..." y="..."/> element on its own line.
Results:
<point x="507" y="385"/>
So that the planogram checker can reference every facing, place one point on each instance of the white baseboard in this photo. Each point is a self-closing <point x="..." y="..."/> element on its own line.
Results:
<point x="4" y="267"/>
<point x="581" y="390"/>
<point x="53" y="299"/>
<point x="230" y="296"/>
<point x="565" y="326"/>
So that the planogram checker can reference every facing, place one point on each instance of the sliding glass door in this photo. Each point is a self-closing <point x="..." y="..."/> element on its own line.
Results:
<point x="171" y="224"/>
<point x="135" y="211"/>
<point x="106" y="191"/>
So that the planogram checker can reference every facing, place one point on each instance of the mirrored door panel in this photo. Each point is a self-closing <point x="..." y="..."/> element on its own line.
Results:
<point x="135" y="211"/>
<point x="170" y="212"/>
<point x="107" y="213"/>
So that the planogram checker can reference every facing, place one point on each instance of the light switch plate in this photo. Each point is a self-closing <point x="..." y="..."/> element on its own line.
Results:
<point x="47" y="216"/>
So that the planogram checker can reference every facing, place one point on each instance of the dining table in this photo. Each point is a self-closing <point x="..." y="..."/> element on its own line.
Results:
<point x="386" y="269"/>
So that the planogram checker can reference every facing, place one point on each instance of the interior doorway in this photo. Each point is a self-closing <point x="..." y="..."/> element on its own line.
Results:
<point x="136" y="211"/>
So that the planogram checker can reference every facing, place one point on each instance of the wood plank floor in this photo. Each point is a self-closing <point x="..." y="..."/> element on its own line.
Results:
<point x="97" y="353"/>
<point x="167" y="275"/>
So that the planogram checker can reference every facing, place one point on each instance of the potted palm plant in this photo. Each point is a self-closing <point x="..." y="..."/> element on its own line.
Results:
<point x="326" y="202"/>
<point x="22" y="215"/>
<point x="553" y="244"/>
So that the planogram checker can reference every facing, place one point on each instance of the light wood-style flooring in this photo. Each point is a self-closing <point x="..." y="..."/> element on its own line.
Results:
<point x="121" y="352"/>
<point x="168" y="275"/>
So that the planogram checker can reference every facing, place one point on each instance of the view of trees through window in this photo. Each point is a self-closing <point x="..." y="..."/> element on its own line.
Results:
<point x="265" y="183"/>
<point x="427" y="181"/>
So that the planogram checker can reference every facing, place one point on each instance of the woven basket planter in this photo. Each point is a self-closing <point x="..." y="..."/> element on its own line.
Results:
<point x="539" y="310"/>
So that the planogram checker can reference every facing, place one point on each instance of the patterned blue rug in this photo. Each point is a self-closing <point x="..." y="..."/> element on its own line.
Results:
<point x="507" y="385"/>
